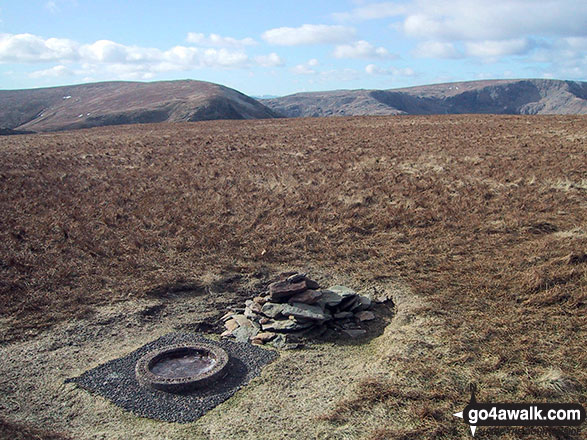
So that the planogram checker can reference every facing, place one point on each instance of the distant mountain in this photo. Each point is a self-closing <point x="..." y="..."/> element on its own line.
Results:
<point x="114" y="103"/>
<point x="528" y="96"/>
<point x="264" y="96"/>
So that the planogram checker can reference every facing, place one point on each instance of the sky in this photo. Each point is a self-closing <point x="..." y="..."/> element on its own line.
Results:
<point x="283" y="47"/>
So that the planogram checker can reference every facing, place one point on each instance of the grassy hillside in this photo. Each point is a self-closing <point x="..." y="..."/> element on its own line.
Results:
<point x="531" y="96"/>
<point x="116" y="103"/>
<point x="474" y="225"/>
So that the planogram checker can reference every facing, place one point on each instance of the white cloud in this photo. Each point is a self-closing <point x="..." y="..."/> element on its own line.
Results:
<point x="309" y="34"/>
<point x="303" y="69"/>
<point x="215" y="40"/>
<point x="271" y="60"/>
<point x="371" y="11"/>
<point x="489" y="30"/>
<point x="193" y="57"/>
<point x="31" y="48"/>
<point x="495" y="20"/>
<point x="306" y="68"/>
<point x="566" y="56"/>
<point x="492" y="49"/>
<point x="373" y="69"/>
<point x="106" y="55"/>
<point x="53" y="72"/>
<point x="361" y="49"/>
<point x="437" y="49"/>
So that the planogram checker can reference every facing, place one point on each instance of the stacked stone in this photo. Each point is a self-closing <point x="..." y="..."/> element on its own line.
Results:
<point x="297" y="307"/>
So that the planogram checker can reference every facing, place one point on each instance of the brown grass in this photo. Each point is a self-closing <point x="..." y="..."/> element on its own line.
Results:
<point x="464" y="209"/>
<point x="14" y="431"/>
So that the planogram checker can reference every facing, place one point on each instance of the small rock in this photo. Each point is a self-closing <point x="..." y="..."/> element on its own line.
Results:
<point x="342" y="290"/>
<point x="282" y="290"/>
<point x="308" y="297"/>
<point x="253" y="306"/>
<point x="296" y="278"/>
<point x="362" y="303"/>
<point x="286" y="325"/>
<point x="329" y="299"/>
<point x="227" y="316"/>
<point x="365" y="315"/>
<point x="312" y="284"/>
<point x="347" y="303"/>
<point x="354" y="333"/>
<point x="264" y="337"/>
<point x="243" y="334"/>
<point x="263" y="321"/>
<point x="243" y="321"/>
<point x="231" y="325"/>
<point x="251" y="315"/>
<point x="272" y="310"/>
<point x="260" y="300"/>
<point x="226" y="333"/>
<point x="306" y="311"/>
<point x="343" y="315"/>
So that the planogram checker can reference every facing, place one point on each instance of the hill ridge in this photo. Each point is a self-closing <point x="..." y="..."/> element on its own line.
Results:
<point x="508" y="96"/>
<point x="124" y="102"/>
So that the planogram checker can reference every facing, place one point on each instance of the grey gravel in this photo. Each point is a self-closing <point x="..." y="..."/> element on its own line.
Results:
<point x="115" y="380"/>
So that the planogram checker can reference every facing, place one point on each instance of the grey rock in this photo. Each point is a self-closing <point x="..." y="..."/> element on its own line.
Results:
<point x="351" y="325"/>
<point x="342" y="290"/>
<point x="286" y="325"/>
<point x="243" y="321"/>
<point x="312" y="284"/>
<point x="343" y="315"/>
<point x="347" y="303"/>
<point x="363" y="303"/>
<point x="264" y="337"/>
<point x="365" y="315"/>
<point x="272" y="310"/>
<point x="243" y="334"/>
<point x="308" y="297"/>
<point x="227" y="316"/>
<point x="253" y="306"/>
<point x="282" y="290"/>
<point x="306" y="311"/>
<point x="231" y="325"/>
<point x="253" y="316"/>
<point x="329" y="299"/>
<point x="260" y="300"/>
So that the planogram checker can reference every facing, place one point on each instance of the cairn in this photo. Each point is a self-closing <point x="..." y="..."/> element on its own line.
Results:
<point x="295" y="308"/>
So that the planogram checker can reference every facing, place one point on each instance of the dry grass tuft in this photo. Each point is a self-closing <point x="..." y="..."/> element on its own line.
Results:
<point x="15" y="431"/>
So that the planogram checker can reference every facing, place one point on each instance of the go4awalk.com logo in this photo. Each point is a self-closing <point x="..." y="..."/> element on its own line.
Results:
<point x="520" y="414"/>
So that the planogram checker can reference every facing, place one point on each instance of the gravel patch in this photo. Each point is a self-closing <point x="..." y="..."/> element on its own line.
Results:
<point x="115" y="380"/>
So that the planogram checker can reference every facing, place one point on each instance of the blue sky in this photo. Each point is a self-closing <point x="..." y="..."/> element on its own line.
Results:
<point x="279" y="47"/>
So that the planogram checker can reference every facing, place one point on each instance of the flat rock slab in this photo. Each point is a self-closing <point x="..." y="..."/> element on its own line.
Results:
<point x="308" y="296"/>
<point x="115" y="380"/>
<point x="305" y="311"/>
<point x="343" y="291"/>
<point x="286" y="325"/>
<point x="282" y="290"/>
<point x="329" y="299"/>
